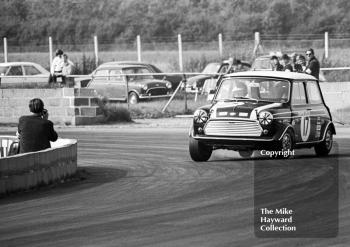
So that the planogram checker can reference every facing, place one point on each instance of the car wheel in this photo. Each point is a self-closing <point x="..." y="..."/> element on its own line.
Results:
<point x="133" y="98"/>
<point x="286" y="144"/>
<point x="199" y="151"/>
<point x="323" y="148"/>
<point x="246" y="153"/>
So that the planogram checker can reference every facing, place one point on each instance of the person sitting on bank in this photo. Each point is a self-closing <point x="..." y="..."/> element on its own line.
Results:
<point x="286" y="63"/>
<point x="313" y="65"/>
<point x="56" y="67"/>
<point x="35" y="131"/>
<point x="67" y="70"/>
<point x="276" y="66"/>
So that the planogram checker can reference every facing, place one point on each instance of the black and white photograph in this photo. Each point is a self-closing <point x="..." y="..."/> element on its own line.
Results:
<point x="168" y="123"/>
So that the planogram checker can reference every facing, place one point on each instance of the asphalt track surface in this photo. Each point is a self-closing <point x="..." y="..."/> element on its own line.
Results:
<point x="139" y="187"/>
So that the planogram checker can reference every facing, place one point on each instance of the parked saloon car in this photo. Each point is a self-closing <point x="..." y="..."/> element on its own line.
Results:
<point x="263" y="110"/>
<point x="108" y="81"/>
<point x="22" y="74"/>
<point x="206" y="83"/>
<point x="158" y="74"/>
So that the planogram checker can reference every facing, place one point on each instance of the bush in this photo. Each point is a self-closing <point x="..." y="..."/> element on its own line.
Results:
<point x="85" y="66"/>
<point x="114" y="113"/>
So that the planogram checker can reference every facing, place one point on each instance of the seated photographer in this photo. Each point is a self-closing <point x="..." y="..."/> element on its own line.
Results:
<point x="35" y="131"/>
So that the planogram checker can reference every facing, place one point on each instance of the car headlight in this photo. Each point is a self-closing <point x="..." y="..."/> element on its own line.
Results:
<point x="265" y="118"/>
<point x="200" y="116"/>
<point x="168" y="84"/>
<point x="145" y="87"/>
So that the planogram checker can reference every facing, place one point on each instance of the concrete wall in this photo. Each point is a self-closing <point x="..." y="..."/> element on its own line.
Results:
<point x="337" y="97"/>
<point x="66" y="106"/>
<point x="25" y="171"/>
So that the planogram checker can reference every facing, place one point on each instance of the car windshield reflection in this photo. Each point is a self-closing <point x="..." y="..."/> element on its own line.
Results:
<point x="211" y="68"/>
<point x="257" y="89"/>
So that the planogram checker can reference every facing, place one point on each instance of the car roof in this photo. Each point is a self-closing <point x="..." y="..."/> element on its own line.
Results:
<point x="126" y="63"/>
<point x="18" y="63"/>
<point x="112" y="65"/>
<point x="275" y="74"/>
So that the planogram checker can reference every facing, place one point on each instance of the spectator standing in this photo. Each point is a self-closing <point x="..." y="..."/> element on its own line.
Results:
<point x="67" y="70"/>
<point x="35" y="131"/>
<point x="276" y="66"/>
<point x="286" y="63"/>
<point x="300" y="64"/>
<point x="239" y="66"/>
<point x="57" y="66"/>
<point x="313" y="65"/>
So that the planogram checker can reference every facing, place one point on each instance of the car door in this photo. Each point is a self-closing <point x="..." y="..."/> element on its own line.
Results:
<point x="15" y="77"/>
<point x="99" y="81"/>
<point x="34" y="76"/>
<point x="300" y="112"/>
<point x="318" y="109"/>
<point x="117" y="85"/>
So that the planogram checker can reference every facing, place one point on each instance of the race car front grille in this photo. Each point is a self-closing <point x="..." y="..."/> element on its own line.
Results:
<point x="232" y="128"/>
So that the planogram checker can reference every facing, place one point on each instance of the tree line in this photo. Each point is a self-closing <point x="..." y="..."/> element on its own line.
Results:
<point x="76" y="21"/>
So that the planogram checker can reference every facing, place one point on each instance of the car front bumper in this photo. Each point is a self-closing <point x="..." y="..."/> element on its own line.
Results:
<point x="238" y="143"/>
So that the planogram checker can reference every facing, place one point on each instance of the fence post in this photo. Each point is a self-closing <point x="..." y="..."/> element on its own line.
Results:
<point x="326" y="45"/>
<point x="96" y="50"/>
<point x="256" y="39"/>
<point x="138" y="41"/>
<point x="220" y="45"/>
<point x="50" y="51"/>
<point x="256" y="43"/>
<point x="179" y="41"/>
<point x="5" y="49"/>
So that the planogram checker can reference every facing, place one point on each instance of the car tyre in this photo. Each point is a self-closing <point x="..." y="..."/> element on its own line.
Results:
<point x="133" y="98"/>
<point x="286" y="143"/>
<point x="324" y="147"/>
<point x="246" y="153"/>
<point x="199" y="151"/>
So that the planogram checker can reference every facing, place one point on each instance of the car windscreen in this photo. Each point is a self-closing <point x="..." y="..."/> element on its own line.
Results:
<point x="3" y="70"/>
<point x="265" y="89"/>
<point x="211" y="68"/>
<point x="138" y="71"/>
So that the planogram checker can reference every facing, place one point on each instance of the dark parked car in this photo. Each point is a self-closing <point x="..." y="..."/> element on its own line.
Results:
<point x="206" y="83"/>
<point x="109" y="81"/>
<point x="19" y="74"/>
<point x="174" y="79"/>
<point x="263" y="110"/>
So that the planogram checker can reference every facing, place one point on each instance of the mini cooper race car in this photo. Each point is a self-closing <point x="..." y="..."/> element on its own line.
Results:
<point x="263" y="110"/>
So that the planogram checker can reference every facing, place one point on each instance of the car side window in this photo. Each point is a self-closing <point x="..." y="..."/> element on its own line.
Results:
<point x="15" y="70"/>
<point x="115" y="75"/>
<point x="31" y="70"/>
<point x="313" y="92"/>
<point x="101" y="75"/>
<point x="298" y="94"/>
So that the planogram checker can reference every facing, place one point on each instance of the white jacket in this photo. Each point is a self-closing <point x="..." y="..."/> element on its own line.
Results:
<point x="57" y="65"/>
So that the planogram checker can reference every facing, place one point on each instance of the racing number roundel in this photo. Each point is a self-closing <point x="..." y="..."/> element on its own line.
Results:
<point x="305" y="127"/>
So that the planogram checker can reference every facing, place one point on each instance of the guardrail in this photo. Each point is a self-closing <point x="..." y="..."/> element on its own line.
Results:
<point x="28" y="170"/>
